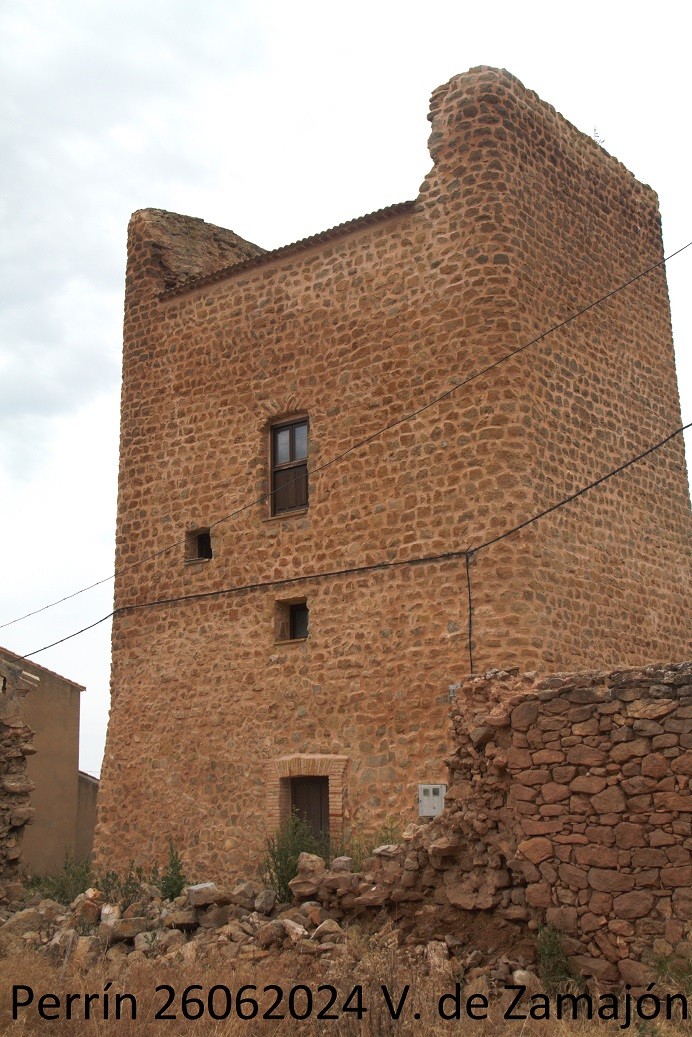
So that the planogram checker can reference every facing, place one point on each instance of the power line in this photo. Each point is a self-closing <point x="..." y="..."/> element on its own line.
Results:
<point x="368" y="439"/>
<point x="466" y="553"/>
<point x="584" y="489"/>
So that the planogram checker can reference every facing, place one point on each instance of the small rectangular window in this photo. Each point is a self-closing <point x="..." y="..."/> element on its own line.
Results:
<point x="291" y="620"/>
<point x="289" y="466"/>
<point x="198" y="545"/>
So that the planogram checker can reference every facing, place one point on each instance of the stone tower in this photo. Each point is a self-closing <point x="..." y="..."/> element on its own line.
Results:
<point x="298" y="652"/>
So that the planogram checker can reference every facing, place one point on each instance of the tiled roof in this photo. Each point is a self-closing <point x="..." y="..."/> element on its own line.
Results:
<point x="320" y="238"/>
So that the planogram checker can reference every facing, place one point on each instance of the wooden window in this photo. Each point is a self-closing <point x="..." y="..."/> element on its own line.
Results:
<point x="289" y="466"/>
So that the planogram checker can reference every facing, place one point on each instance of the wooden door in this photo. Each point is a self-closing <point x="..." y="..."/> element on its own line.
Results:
<point x="310" y="800"/>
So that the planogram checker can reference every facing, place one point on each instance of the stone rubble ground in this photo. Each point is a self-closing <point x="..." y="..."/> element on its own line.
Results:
<point x="211" y="925"/>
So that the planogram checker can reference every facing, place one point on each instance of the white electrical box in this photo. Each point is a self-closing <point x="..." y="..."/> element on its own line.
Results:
<point x="431" y="800"/>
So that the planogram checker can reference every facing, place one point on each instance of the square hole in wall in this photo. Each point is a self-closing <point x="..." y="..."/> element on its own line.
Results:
<point x="291" y="620"/>
<point x="198" y="545"/>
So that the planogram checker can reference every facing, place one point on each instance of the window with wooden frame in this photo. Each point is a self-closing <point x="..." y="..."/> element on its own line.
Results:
<point x="289" y="461"/>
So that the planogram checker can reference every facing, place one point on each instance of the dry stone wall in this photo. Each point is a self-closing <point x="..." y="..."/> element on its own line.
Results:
<point x="15" y="785"/>
<point x="569" y="804"/>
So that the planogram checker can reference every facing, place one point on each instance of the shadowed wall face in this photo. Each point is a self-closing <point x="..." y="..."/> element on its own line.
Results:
<point x="87" y="793"/>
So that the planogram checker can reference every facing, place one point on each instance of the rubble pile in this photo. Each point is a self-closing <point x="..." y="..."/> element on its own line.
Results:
<point x="208" y="925"/>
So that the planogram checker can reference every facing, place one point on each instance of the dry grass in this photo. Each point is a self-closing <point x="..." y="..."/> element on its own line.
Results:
<point x="143" y="977"/>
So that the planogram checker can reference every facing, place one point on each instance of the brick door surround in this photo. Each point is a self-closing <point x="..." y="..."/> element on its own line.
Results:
<point x="281" y="770"/>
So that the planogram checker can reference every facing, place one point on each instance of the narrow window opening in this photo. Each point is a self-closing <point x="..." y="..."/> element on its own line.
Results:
<point x="291" y="620"/>
<point x="198" y="546"/>
<point x="299" y="621"/>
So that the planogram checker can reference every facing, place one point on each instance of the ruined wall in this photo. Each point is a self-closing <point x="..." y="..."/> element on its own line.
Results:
<point x="16" y="745"/>
<point x="521" y="220"/>
<point x="569" y="804"/>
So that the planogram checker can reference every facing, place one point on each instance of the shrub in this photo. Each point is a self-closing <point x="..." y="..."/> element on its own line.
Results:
<point x="76" y="876"/>
<point x="122" y="891"/>
<point x="553" y="967"/>
<point x="293" y="837"/>
<point x="64" y="884"/>
<point x="171" y="881"/>
<point x="359" y="846"/>
<point x="125" y="891"/>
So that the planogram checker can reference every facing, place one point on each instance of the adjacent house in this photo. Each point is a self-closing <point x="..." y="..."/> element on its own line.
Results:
<point x="63" y="799"/>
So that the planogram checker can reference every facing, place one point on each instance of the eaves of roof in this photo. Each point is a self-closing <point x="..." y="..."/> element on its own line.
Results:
<point x="29" y="665"/>
<point x="323" y="237"/>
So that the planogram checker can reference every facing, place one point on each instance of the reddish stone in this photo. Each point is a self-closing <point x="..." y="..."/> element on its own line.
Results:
<point x="646" y="857"/>
<point x="533" y="777"/>
<point x="536" y="850"/>
<point x="610" y="801"/>
<point x="538" y="894"/>
<point x="525" y="715"/>
<point x="608" y="945"/>
<point x="647" y="877"/>
<point x="633" y="905"/>
<point x="531" y="827"/>
<point x="585" y="755"/>
<point x="588" y="783"/>
<point x="522" y="793"/>
<point x="519" y="758"/>
<point x="554" y="793"/>
<point x="575" y="878"/>
<point x="600" y="903"/>
<point x="655" y="766"/>
<point x="638" y="784"/>
<point x="662" y="839"/>
<point x="626" y="750"/>
<point x="601" y="834"/>
<point x="683" y="764"/>
<point x="565" y="919"/>
<point x="650" y="709"/>
<point x="597" y="856"/>
<point x="620" y="927"/>
<point x="676" y="877"/>
<point x="677" y="801"/>
<point x="635" y="972"/>
<point x="547" y="756"/>
<point x="609" y="881"/>
<point x="597" y="968"/>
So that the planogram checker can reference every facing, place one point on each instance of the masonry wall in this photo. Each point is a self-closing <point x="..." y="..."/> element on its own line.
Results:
<point x="569" y="804"/>
<point x="521" y="220"/>
<point x="16" y="787"/>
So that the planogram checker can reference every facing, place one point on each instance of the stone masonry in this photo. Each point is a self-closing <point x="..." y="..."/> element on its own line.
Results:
<point x="15" y="785"/>
<point x="521" y="222"/>
<point x="569" y="804"/>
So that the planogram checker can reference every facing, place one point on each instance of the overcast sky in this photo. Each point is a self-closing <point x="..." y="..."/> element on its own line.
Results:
<point x="275" y="119"/>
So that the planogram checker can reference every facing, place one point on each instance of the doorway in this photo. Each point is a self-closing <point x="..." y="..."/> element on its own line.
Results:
<point x="310" y="801"/>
